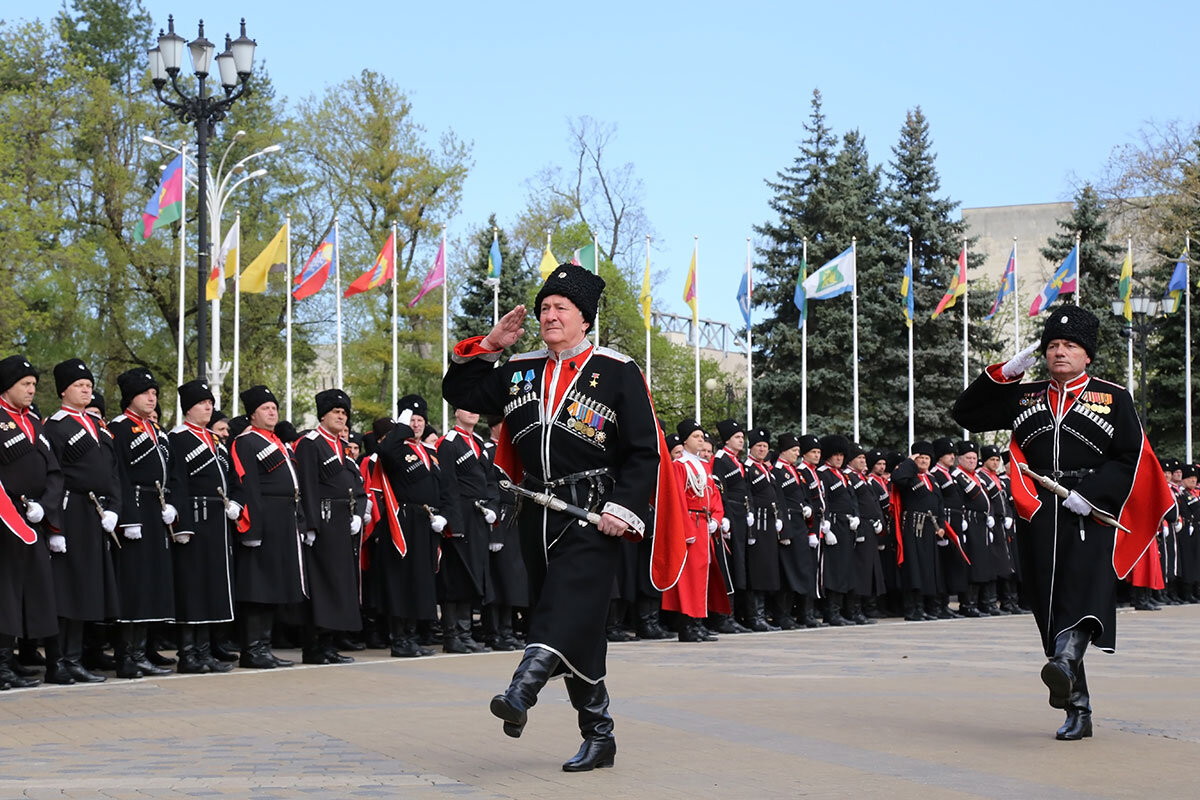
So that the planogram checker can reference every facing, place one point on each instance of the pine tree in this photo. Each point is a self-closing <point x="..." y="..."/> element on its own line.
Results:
<point x="1099" y="271"/>
<point x="916" y="210"/>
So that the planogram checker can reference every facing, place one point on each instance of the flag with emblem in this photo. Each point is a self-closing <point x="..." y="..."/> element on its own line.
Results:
<point x="906" y="291"/>
<point x="163" y="207"/>
<point x="1173" y="299"/>
<point x="380" y="272"/>
<point x="958" y="286"/>
<point x="835" y="278"/>
<point x="1008" y="284"/>
<point x="273" y="258"/>
<point x="689" y="288"/>
<point x="216" y="276"/>
<point x="1125" y="287"/>
<point x="1066" y="279"/>
<point x="316" y="269"/>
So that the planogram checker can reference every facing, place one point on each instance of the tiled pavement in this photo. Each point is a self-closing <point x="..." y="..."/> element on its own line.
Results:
<point x="930" y="710"/>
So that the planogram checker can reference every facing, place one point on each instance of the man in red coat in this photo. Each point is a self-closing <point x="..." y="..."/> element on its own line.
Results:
<point x="701" y="587"/>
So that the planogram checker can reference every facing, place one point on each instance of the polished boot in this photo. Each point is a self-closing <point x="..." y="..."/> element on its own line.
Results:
<point x="1059" y="672"/>
<point x="463" y="617"/>
<point x="220" y="643"/>
<point x="126" y="665"/>
<point x="138" y="636"/>
<point x="152" y="647"/>
<point x="9" y="679"/>
<point x="688" y="631"/>
<point x="784" y="601"/>
<point x="329" y="648"/>
<point x="943" y="608"/>
<point x="505" y="638"/>
<point x="968" y="602"/>
<point x="727" y="623"/>
<point x="71" y="642"/>
<point x="190" y="662"/>
<point x="255" y="653"/>
<point x="404" y="644"/>
<point x="871" y="607"/>
<point x="536" y="667"/>
<point x="95" y="640"/>
<point x="28" y="655"/>
<point x="615" y="629"/>
<point x="451" y="643"/>
<point x="704" y="633"/>
<point x="312" y="651"/>
<point x="990" y="600"/>
<point x="759" y="622"/>
<point x="912" y="607"/>
<point x="599" y="748"/>
<point x="1079" y="710"/>
<point x="204" y="650"/>
<point x="856" y="610"/>
<point x="649" y="626"/>
<point x="56" y="670"/>
<point x="833" y="610"/>
<point x="811" y="620"/>
<point x="268" y="624"/>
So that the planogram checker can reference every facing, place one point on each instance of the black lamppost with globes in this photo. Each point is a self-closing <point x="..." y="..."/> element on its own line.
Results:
<point x="1145" y="312"/>
<point x="205" y="110"/>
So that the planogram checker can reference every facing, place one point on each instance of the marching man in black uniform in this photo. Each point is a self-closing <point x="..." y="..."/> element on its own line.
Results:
<point x="30" y="509"/>
<point x="202" y="558"/>
<point x="579" y="424"/>
<point x="145" y="577"/>
<point x="463" y="576"/>
<point x="85" y="585"/>
<point x="1082" y="435"/>
<point x="334" y="502"/>
<point x="267" y="562"/>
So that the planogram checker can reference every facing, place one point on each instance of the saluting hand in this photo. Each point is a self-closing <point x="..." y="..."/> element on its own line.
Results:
<point x="507" y="332"/>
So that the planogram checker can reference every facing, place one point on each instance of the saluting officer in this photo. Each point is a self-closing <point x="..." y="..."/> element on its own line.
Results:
<point x="334" y="503"/>
<point x="917" y="508"/>
<point x="145" y="576"/>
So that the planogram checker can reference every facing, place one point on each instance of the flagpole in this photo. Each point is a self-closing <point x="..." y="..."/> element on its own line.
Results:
<point x="854" y="311"/>
<point x="1187" y="347"/>
<point x="395" y="349"/>
<point x="804" y="349"/>
<point x="1016" y="301"/>
<point x="596" y="270"/>
<point x="648" y="326"/>
<point x="496" y="285"/>
<point x="445" y="331"/>
<point x="1129" y="343"/>
<point x="696" y="321"/>
<point x="911" y="408"/>
<point x="337" y="280"/>
<point x="237" y="317"/>
<point x="1078" y="270"/>
<point x="182" y="274"/>
<point x="287" y="258"/>
<point x="215" y="371"/>
<point x="965" y="309"/>
<point x="749" y="352"/>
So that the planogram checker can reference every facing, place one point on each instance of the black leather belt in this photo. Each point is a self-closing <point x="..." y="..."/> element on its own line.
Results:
<point x="599" y="482"/>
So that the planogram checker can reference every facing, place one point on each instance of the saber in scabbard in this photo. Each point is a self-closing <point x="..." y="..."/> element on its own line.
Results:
<point x="100" y="510"/>
<point x="1064" y="493"/>
<point x="162" y="502"/>
<point x="553" y="503"/>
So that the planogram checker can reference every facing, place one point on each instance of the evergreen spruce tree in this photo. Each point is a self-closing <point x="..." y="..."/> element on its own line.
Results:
<point x="916" y="210"/>
<point x="1099" y="272"/>
<point x="474" y="317"/>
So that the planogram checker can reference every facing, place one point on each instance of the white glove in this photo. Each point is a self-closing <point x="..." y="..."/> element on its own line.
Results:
<point x="1022" y="361"/>
<point x="726" y="535"/>
<point x="943" y="542"/>
<point x="108" y="521"/>
<point x="808" y="512"/>
<point x="370" y="507"/>
<point x="725" y="525"/>
<point x="991" y="537"/>
<point x="356" y="524"/>
<point x="1008" y="523"/>
<point x="751" y="541"/>
<point x="713" y="525"/>
<point x="405" y="417"/>
<point x="182" y="537"/>
<point x="57" y="543"/>
<point x="1076" y="503"/>
<point x="785" y="542"/>
<point x="877" y="526"/>
<point x="991" y="521"/>
<point x="779" y="526"/>
<point x="812" y="540"/>
<point x="965" y="526"/>
<point x="495" y="547"/>
<point x="34" y="511"/>
<point x="252" y="542"/>
<point x="826" y="526"/>
<point x="1178" y="525"/>
<point x="132" y="531"/>
<point x="438" y="523"/>
<point x="310" y="537"/>
<point x="830" y="538"/>
<point x="854" y="523"/>
<point x="489" y="516"/>
<point x="750" y="520"/>
<point x="169" y="514"/>
<point x="233" y="510"/>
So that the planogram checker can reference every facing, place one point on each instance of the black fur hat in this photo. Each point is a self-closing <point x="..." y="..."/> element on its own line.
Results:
<point x="728" y="428"/>
<point x="330" y="399"/>
<point x="133" y="382"/>
<point x="194" y="392"/>
<point x="833" y="444"/>
<point x="582" y="287"/>
<point x="69" y="371"/>
<point x="1072" y="323"/>
<point x="13" y="369"/>
<point x="254" y="397"/>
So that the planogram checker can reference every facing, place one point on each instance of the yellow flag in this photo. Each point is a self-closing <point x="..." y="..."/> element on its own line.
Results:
<point x="548" y="263"/>
<point x="1125" y="288"/>
<point x="644" y="297"/>
<point x="273" y="258"/>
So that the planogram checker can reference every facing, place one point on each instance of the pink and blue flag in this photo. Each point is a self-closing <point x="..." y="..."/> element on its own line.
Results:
<point x="163" y="207"/>
<point x="436" y="276"/>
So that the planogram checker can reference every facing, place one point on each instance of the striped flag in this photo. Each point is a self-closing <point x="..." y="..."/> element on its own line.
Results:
<point x="906" y="291"/>
<point x="1008" y="284"/>
<point x="1066" y="279"/>
<point x="958" y="286"/>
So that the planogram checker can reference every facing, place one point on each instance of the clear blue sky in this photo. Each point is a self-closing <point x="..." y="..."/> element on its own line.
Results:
<point x="1023" y="98"/>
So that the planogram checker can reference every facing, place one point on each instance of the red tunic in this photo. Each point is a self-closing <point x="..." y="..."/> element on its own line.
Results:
<point x="701" y="587"/>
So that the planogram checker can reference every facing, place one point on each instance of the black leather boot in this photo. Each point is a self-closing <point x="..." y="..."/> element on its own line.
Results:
<point x="758" y="603"/>
<point x="268" y="617"/>
<point x="833" y="610"/>
<point x="154" y="634"/>
<point x="8" y="678"/>
<point x="221" y="644"/>
<point x="506" y="640"/>
<point x="599" y="748"/>
<point x="536" y="667"/>
<point x="451" y="643"/>
<point x="256" y="653"/>
<point x="71" y="639"/>
<point x="28" y="655"/>
<point x="56" y="669"/>
<point x="968" y="604"/>
<point x="463" y="616"/>
<point x="912" y="607"/>
<point x="856" y="610"/>
<point x="990" y="599"/>
<point x="329" y="648"/>
<point x="649" y="626"/>
<point x="1079" y="710"/>
<point x="403" y="644"/>
<point x="138" y="634"/>
<point x="810" y="616"/>
<point x="783" y="610"/>
<point x="204" y="650"/>
<point x="190" y="662"/>
<point x="1059" y="672"/>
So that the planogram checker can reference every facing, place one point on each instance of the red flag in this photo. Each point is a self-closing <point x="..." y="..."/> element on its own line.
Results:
<point x="380" y="272"/>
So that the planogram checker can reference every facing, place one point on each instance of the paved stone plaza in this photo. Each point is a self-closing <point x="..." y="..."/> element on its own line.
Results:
<point x="928" y="710"/>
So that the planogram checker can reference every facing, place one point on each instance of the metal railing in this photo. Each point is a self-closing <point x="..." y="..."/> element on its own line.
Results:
<point x="713" y="335"/>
